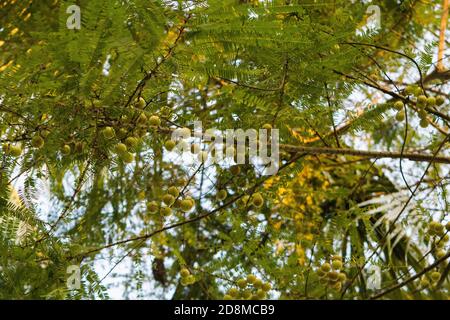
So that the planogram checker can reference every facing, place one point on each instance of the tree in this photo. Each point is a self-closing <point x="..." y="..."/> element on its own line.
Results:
<point x="358" y="207"/>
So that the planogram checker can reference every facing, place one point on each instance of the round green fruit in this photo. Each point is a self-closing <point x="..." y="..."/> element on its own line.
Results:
<point x="165" y="211"/>
<point x="447" y="226"/>
<point x="120" y="148"/>
<point x="37" y="142"/>
<point x="170" y="145"/>
<point x="336" y="264"/>
<point x="422" y="113"/>
<point x="173" y="191"/>
<point x="440" y="254"/>
<point x="266" y="286"/>
<point x="186" y="205"/>
<point x="251" y="278"/>
<point x="234" y="292"/>
<point x="131" y="142"/>
<point x="342" y="277"/>
<point x="235" y="170"/>
<point x="400" y="116"/>
<point x="65" y="150"/>
<point x="168" y="199"/>
<point x="423" y="123"/>
<point x="258" y="283"/>
<point x="440" y="100"/>
<point x="227" y="297"/>
<point x="246" y="294"/>
<point x="15" y="150"/>
<point x="152" y="207"/>
<point x="422" y="100"/>
<point x="127" y="157"/>
<point x="221" y="195"/>
<point x="141" y="103"/>
<point x="154" y="121"/>
<point x="435" y="276"/>
<point x="326" y="267"/>
<point x="241" y="283"/>
<point x="431" y="101"/>
<point x="108" y="133"/>
<point x="184" y="272"/>
<point x="261" y="294"/>
<point x="142" y="119"/>
<point x="409" y="90"/>
<point x="398" y="105"/>
<point x="257" y="200"/>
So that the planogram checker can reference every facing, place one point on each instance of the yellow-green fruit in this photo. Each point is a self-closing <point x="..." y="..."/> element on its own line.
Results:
<point x="261" y="294"/>
<point x="398" y="105"/>
<point x="154" y="121"/>
<point x="186" y="205"/>
<point x="235" y="170"/>
<point x="44" y="133"/>
<point x="141" y="103"/>
<point x="142" y="120"/>
<point x="422" y="113"/>
<point x="257" y="200"/>
<point x="173" y="191"/>
<point x="440" y="100"/>
<point x="184" y="282"/>
<point x="342" y="277"/>
<point x="336" y="264"/>
<point x="267" y="126"/>
<point x="245" y="200"/>
<point x="326" y="267"/>
<point x="333" y="275"/>
<point x="418" y="91"/>
<point x="168" y="199"/>
<point x="251" y="278"/>
<point x="337" y="286"/>
<point x="108" y="133"/>
<point x="422" y="100"/>
<point x="227" y="297"/>
<point x="37" y="141"/>
<point x="246" y="294"/>
<point x="431" y="101"/>
<point x="141" y="195"/>
<point x="15" y="150"/>
<point x="127" y="157"/>
<point x="166" y="211"/>
<point x="266" y="286"/>
<point x="336" y="258"/>
<point x="65" y="150"/>
<point x="423" y="123"/>
<point x="424" y="282"/>
<point x="400" y="116"/>
<point x="440" y="254"/>
<point x="190" y="279"/>
<point x="435" y="276"/>
<point x="152" y="207"/>
<point x="258" y="283"/>
<point x="409" y="90"/>
<point x="241" y="283"/>
<point x="234" y="292"/>
<point x="184" y="272"/>
<point x="447" y="226"/>
<point x="170" y="144"/>
<point x="120" y="148"/>
<point x="131" y="142"/>
<point x="221" y="195"/>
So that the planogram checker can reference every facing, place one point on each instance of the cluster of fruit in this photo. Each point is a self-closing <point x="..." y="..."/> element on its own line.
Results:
<point x="437" y="230"/>
<point x="250" y="288"/>
<point x="330" y="273"/>
<point x="255" y="200"/>
<point x="171" y="200"/>
<point x="422" y="101"/>
<point x="435" y="277"/>
<point x="186" y="277"/>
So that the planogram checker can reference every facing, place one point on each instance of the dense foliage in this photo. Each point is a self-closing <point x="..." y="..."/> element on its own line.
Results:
<point x="89" y="175"/>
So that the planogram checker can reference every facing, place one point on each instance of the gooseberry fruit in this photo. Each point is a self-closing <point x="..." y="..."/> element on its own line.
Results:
<point x="233" y="292"/>
<point x="127" y="157"/>
<point x="440" y="100"/>
<point x="336" y="264"/>
<point x="422" y="100"/>
<point x="266" y="286"/>
<point x="120" y="148"/>
<point x="170" y="145"/>
<point x="435" y="276"/>
<point x="221" y="195"/>
<point x="168" y="199"/>
<point x="423" y="123"/>
<point x="431" y="101"/>
<point x="131" y="142"/>
<point x="152" y="207"/>
<point x="154" y="121"/>
<point x="184" y="272"/>
<point x="108" y="133"/>
<point x="66" y="150"/>
<point x="15" y="150"/>
<point x="173" y="191"/>
<point x="37" y="142"/>
<point x="326" y="267"/>
<point x="186" y="205"/>
<point x="141" y="103"/>
<point x="165" y="211"/>
<point x="400" y="116"/>
<point x="398" y="105"/>
<point x="251" y="278"/>
<point x="241" y="283"/>
<point x="257" y="200"/>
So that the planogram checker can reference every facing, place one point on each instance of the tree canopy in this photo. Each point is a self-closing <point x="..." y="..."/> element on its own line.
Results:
<point x="92" y="178"/>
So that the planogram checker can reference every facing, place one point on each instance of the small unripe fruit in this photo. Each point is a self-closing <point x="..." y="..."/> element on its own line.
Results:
<point x="186" y="205"/>
<point x="342" y="277"/>
<point x="258" y="283"/>
<point x="422" y="113"/>
<point x="409" y="90"/>
<point x="245" y="200"/>
<point x="235" y="170"/>
<point x="142" y="119"/>
<point x="15" y="150"/>
<point x="37" y="141"/>
<point x="422" y="100"/>
<point x="127" y="157"/>
<point x="165" y="211"/>
<point x="400" y="116"/>
<point x="170" y="145"/>
<point x="326" y="267"/>
<point x="261" y="294"/>
<point x="108" y="133"/>
<point x="152" y="207"/>
<point x="120" y="148"/>
<point x="141" y="103"/>
<point x="336" y="258"/>
<point x="333" y="276"/>
<point x="336" y="264"/>
<point x="337" y="286"/>
<point x="246" y="294"/>
<point x="435" y="276"/>
<point x="190" y="279"/>
<point x="131" y="142"/>
<point x="440" y="254"/>
<point x="418" y="91"/>
<point x="168" y="199"/>
<point x="227" y="297"/>
<point x="154" y="121"/>
<point x="233" y="292"/>
<point x="184" y="272"/>
<point x="173" y="191"/>
<point x="440" y="100"/>
<point x="257" y="200"/>
<point x="447" y="226"/>
<point x="221" y="195"/>
<point x="398" y="105"/>
<point x="266" y="286"/>
<point x="65" y="150"/>
<point x="431" y="101"/>
<point x="424" y="282"/>
<point x="251" y="278"/>
<point x="241" y="283"/>
<point x="423" y="123"/>
<point x="184" y="282"/>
